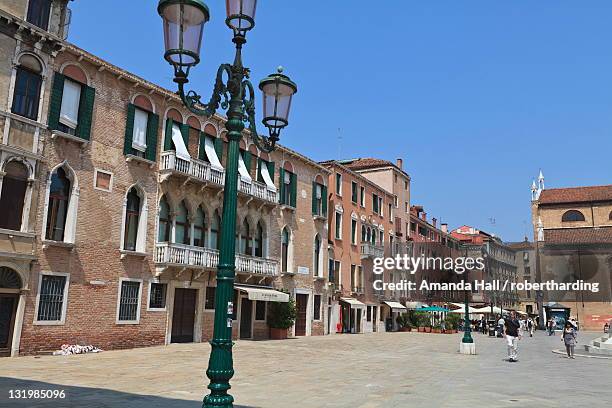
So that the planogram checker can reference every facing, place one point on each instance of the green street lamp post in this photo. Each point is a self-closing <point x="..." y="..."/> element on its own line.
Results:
<point x="467" y="345"/>
<point x="183" y="22"/>
<point x="467" y="324"/>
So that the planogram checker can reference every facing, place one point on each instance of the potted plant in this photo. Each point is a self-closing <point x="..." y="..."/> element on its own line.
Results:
<point x="418" y="319"/>
<point x="452" y="322"/>
<point x="403" y="321"/>
<point x="437" y="328"/>
<point x="281" y="317"/>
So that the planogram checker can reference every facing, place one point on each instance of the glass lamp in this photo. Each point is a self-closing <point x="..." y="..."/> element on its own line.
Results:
<point x="278" y="91"/>
<point x="240" y="15"/>
<point x="183" y="26"/>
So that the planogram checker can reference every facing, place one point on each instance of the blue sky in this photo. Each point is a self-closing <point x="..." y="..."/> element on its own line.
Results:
<point x="474" y="95"/>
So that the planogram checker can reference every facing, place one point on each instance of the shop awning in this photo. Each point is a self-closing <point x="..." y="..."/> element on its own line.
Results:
<point x="353" y="302"/>
<point x="395" y="305"/>
<point x="264" y="294"/>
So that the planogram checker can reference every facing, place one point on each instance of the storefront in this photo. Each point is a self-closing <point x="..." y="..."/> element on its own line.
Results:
<point x="352" y="312"/>
<point x="389" y="312"/>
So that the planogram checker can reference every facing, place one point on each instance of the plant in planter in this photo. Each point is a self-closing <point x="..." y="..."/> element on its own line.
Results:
<point x="437" y="328"/>
<point x="403" y="321"/>
<point x="281" y="317"/>
<point x="452" y="322"/>
<point x="418" y="319"/>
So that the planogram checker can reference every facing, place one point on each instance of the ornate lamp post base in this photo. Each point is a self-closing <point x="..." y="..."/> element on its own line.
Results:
<point x="467" y="348"/>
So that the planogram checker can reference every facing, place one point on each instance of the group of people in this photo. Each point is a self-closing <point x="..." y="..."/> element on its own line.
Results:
<point x="513" y="329"/>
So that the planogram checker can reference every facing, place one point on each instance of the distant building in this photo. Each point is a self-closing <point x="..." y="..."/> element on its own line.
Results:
<point x="360" y="229"/>
<point x="573" y="231"/>
<point x="428" y="240"/>
<point x="525" y="271"/>
<point x="500" y="265"/>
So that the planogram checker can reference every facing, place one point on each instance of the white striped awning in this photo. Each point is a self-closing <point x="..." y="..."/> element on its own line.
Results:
<point x="263" y="294"/>
<point x="395" y="305"/>
<point x="353" y="302"/>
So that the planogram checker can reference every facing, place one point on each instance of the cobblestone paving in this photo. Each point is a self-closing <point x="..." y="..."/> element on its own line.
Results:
<point x="361" y="371"/>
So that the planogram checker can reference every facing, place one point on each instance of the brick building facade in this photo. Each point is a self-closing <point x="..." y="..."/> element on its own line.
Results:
<point x="121" y="193"/>
<point x="30" y="37"/>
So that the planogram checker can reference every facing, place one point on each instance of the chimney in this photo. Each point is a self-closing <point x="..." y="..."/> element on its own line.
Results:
<point x="399" y="163"/>
<point x="444" y="227"/>
<point x="424" y="216"/>
<point x="434" y="221"/>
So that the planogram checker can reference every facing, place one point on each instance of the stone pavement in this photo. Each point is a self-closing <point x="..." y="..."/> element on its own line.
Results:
<point x="360" y="371"/>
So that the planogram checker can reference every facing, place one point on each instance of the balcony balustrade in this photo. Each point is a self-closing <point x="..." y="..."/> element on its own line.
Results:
<point x="374" y="251"/>
<point x="197" y="169"/>
<point x="202" y="171"/>
<point x="185" y="255"/>
<point x="257" y="190"/>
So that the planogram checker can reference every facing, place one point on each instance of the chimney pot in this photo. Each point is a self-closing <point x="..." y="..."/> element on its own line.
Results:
<point x="424" y="216"/>
<point x="400" y="163"/>
<point x="434" y="221"/>
<point x="444" y="227"/>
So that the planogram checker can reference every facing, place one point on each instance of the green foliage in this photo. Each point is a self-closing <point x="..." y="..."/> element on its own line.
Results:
<point x="417" y="319"/>
<point x="423" y="319"/>
<point x="403" y="320"/>
<point x="282" y="315"/>
<point x="452" y="320"/>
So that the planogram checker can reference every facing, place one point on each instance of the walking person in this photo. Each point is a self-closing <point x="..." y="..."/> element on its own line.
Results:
<point x="569" y="338"/>
<point x="530" y="326"/>
<point x="500" y="326"/>
<point x="513" y="335"/>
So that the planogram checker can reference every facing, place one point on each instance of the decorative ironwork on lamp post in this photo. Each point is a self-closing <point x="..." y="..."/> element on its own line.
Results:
<point x="183" y="22"/>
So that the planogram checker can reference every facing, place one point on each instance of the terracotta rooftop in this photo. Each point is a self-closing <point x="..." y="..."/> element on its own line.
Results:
<point x="601" y="235"/>
<point x="576" y="194"/>
<point x="521" y="245"/>
<point x="364" y="163"/>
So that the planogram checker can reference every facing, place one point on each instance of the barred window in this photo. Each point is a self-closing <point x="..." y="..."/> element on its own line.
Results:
<point x="51" y="299"/>
<point x="129" y="301"/>
<point x="157" y="297"/>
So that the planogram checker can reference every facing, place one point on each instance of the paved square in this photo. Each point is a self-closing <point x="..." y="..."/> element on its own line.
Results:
<point x="366" y="371"/>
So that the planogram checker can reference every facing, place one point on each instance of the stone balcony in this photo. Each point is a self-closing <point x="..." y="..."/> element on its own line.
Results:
<point x="203" y="172"/>
<point x="372" y="251"/>
<point x="197" y="170"/>
<point x="170" y="254"/>
<point x="257" y="190"/>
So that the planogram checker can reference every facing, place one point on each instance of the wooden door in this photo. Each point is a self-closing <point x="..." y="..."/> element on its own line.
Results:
<point x="301" y="303"/>
<point x="8" y="309"/>
<point x="183" y="315"/>
<point x="246" y="318"/>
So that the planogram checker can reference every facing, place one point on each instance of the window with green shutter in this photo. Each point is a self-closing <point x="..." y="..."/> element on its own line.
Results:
<point x="129" y="130"/>
<point x="86" y="105"/>
<point x="293" y="190"/>
<point x="152" y="128"/>
<point x="55" y="102"/>
<point x="283" y="199"/>
<point x="168" y="143"/>
<point x="318" y="198"/>
<point x="219" y="148"/>
<point x="246" y="157"/>
<point x="271" y="170"/>
<point x="151" y="134"/>
<point x="84" y="116"/>
<point x="324" y="204"/>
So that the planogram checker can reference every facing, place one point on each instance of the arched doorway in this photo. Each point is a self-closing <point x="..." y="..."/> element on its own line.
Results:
<point x="10" y="284"/>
